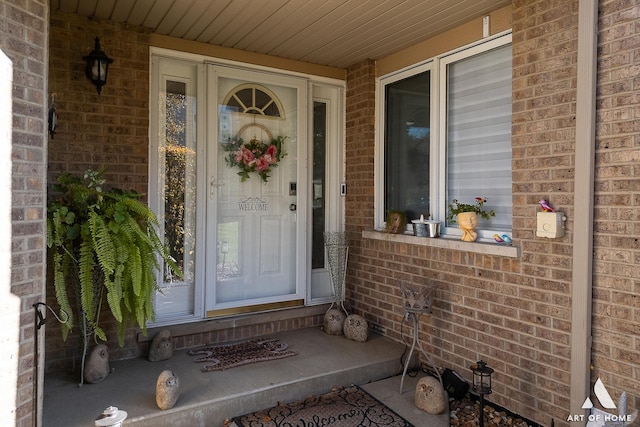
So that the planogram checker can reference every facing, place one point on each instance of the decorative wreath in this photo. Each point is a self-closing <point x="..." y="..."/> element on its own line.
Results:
<point x="254" y="155"/>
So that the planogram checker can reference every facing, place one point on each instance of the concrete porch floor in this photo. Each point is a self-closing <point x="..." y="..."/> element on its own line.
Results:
<point x="208" y="398"/>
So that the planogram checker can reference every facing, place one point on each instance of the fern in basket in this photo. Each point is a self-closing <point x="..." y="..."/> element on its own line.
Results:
<point x="103" y="242"/>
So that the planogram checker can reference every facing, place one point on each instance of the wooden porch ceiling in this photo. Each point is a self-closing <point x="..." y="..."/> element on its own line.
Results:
<point x="335" y="33"/>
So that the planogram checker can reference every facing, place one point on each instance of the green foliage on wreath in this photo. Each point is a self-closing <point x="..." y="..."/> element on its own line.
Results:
<point x="254" y="156"/>
<point x="103" y="241"/>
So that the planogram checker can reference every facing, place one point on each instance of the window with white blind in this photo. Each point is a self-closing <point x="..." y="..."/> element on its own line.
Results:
<point x="477" y="132"/>
<point x="446" y="134"/>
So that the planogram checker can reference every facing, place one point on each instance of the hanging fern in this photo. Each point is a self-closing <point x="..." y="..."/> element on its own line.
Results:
<point x="112" y="233"/>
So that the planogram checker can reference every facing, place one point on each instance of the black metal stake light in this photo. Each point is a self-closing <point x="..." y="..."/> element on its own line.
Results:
<point x="97" y="66"/>
<point x="481" y="384"/>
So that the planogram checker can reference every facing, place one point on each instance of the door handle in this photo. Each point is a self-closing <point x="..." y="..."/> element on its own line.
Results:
<point x="213" y="187"/>
<point x="293" y="207"/>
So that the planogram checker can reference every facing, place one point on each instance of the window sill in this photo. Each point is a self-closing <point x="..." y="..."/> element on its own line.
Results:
<point x="446" y="243"/>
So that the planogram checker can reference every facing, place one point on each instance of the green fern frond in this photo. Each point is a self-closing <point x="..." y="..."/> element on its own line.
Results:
<point x="128" y="297"/>
<point x="99" y="332"/>
<point x="62" y="297"/>
<point x="163" y="251"/>
<point x="136" y="231"/>
<point x="122" y="328"/>
<point x="103" y="245"/>
<point x="85" y="275"/>
<point x="57" y="231"/>
<point x="135" y="266"/>
<point x="139" y="209"/>
<point x="114" y="298"/>
<point x="150" y="313"/>
<point x="140" y="315"/>
<point x="95" y="327"/>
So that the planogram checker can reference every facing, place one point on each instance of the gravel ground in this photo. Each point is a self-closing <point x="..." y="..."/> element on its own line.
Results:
<point x="464" y="413"/>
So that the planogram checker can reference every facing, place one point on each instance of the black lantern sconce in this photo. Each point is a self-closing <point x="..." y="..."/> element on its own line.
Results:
<point x="97" y="66"/>
<point x="481" y="384"/>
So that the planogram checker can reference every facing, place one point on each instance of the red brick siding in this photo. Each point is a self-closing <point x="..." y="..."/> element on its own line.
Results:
<point x="94" y="130"/>
<point x="23" y="39"/>
<point x="616" y="295"/>
<point x="516" y="313"/>
<point x="513" y="313"/>
<point x="360" y="125"/>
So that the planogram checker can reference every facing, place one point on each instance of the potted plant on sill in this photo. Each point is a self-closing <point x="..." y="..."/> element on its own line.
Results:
<point x="104" y="247"/>
<point x="466" y="215"/>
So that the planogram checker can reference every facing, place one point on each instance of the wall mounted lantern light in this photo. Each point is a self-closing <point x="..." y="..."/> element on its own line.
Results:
<point x="481" y="384"/>
<point x="97" y="66"/>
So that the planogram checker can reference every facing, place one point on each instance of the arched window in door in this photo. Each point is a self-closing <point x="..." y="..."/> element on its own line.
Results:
<point x="251" y="98"/>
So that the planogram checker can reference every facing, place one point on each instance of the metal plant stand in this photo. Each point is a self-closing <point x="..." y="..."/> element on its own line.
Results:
<point x="87" y="329"/>
<point x="417" y="300"/>
<point x="337" y="247"/>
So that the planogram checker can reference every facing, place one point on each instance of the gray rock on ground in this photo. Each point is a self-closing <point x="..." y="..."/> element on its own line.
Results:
<point x="430" y="396"/>
<point x="96" y="367"/>
<point x="334" y="321"/>
<point x="161" y="347"/>
<point x="167" y="390"/>
<point x="356" y="328"/>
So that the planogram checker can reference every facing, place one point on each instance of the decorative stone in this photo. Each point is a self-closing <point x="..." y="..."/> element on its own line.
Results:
<point x="356" y="328"/>
<point x="96" y="367"/>
<point x="430" y="396"/>
<point x="334" y="321"/>
<point x="161" y="347"/>
<point x="167" y="390"/>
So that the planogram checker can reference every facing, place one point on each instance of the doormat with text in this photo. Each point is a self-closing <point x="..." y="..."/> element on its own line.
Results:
<point x="221" y="357"/>
<point x="341" y="407"/>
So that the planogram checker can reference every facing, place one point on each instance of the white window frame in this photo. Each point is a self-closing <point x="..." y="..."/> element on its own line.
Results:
<point x="437" y="67"/>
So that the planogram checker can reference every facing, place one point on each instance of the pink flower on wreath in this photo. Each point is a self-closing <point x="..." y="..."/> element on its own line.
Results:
<point x="238" y="156"/>
<point x="272" y="151"/>
<point x="268" y="159"/>
<point x="262" y="163"/>
<point x="247" y="156"/>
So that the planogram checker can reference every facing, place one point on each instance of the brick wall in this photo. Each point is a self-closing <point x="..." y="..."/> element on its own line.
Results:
<point x="616" y="308"/>
<point x="516" y="313"/>
<point x="96" y="131"/>
<point x="360" y="125"/>
<point x="544" y="82"/>
<point x="23" y="39"/>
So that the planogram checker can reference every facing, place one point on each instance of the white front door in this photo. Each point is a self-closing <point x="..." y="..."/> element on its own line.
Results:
<point x="255" y="221"/>
<point x="243" y="245"/>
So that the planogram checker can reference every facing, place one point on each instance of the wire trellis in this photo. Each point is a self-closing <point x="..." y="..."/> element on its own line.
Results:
<point x="337" y="248"/>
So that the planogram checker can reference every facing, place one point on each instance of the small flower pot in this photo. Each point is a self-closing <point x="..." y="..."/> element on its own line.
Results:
<point x="468" y="221"/>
